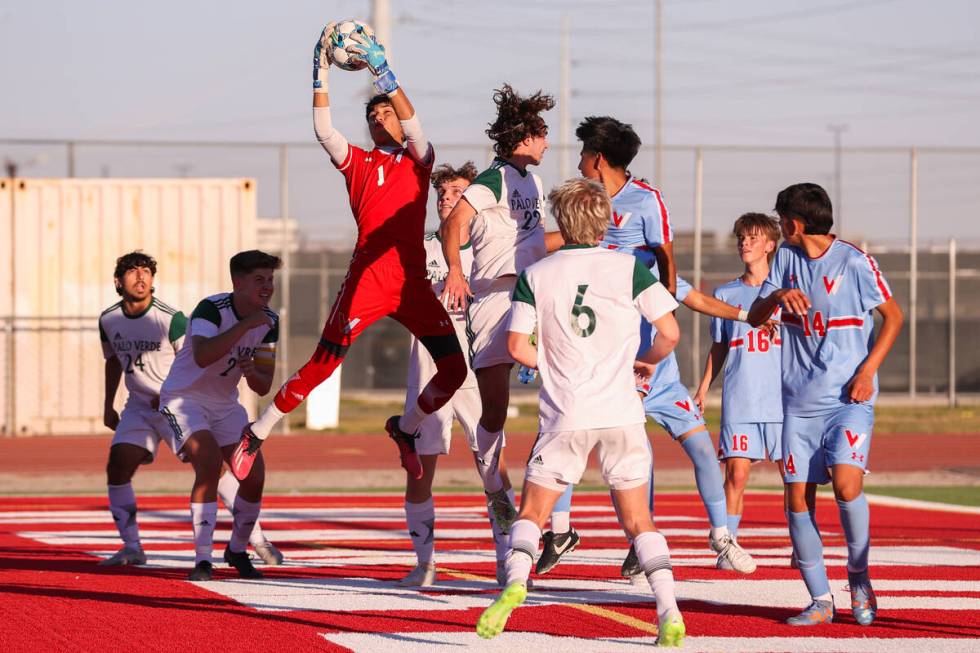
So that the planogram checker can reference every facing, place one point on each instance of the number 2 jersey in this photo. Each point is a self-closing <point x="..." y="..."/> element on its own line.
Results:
<point x="822" y="350"/>
<point x="587" y="303"/>
<point x="216" y="384"/>
<point x="753" y="380"/>
<point x="507" y="231"/>
<point x="145" y="344"/>
<point x="421" y="367"/>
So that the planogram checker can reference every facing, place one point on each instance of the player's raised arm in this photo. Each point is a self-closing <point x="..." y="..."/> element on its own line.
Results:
<point x="698" y="301"/>
<point x="330" y="139"/>
<point x="385" y="82"/>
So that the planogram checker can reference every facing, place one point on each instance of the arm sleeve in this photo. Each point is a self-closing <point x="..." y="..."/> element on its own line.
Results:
<point x="523" y="317"/>
<point x="330" y="139"/>
<point x="107" y="352"/>
<point x="178" y="327"/>
<point x="205" y="319"/>
<point x="272" y="336"/>
<point x="656" y="221"/>
<point x="485" y="191"/>
<point x="419" y="147"/>
<point x="654" y="302"/>
<point x="683" y="289"/>
<point x="872" y="287"/>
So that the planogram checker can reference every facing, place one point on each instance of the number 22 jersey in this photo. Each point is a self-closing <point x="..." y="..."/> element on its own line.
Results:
<point x="216" y="384"/>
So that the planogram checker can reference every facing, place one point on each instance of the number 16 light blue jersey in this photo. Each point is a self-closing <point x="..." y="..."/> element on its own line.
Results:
<point x="752" y="391"/>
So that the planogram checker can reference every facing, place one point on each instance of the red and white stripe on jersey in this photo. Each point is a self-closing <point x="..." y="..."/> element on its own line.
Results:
<point x="740" y="342"/>
<point x="664" y="215"/>
<point x="883" y="288"/>
<point x="845" y="322"/>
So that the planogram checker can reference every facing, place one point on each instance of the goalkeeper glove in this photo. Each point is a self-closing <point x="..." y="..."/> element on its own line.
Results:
<point x="321" y="59"/>
<point x="374" y="55"/>
<point x="526" y="374"/>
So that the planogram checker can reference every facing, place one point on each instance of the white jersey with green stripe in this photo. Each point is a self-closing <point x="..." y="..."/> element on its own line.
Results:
<point x="216" y="384"/>
<point x="421" y="367"/>
<point x="586" y="302"/>
<point x="507" y="231"/>
<point x="145" y="345"/>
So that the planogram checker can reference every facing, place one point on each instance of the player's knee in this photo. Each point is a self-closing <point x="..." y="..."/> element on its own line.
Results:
<point x="118" y="473"/>
<point x="635" y="524"/>
<point x="451" y="371"/>
<point x="737" y="476"/>
<point x="204" y="455"/>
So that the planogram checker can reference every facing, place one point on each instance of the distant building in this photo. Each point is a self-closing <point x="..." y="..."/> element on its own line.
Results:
<point x="269" y="234"/>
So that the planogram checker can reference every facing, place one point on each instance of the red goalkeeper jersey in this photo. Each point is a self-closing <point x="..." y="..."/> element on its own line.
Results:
<point x="388" y="191"/>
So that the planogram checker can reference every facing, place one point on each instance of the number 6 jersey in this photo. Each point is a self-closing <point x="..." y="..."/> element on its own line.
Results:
<point x="145" y="345"/>
<point x="507" y="231"/>
<point x="216" y="384"/>
<point x="587" y="302"/>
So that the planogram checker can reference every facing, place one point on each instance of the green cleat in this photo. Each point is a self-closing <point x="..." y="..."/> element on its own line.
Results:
<point x="494" y="618"/>
<point x="672" y="630"/>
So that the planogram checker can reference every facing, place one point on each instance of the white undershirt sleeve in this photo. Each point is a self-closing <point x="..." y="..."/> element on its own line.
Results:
<point x="332" y="140"/>
<point x="418" y="145"/>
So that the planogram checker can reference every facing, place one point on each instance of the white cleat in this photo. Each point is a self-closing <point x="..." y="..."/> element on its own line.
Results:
<point x="723" y="563"/>
<point x="125" y="556"/>
<point x="729" y="549"/>
<point x="268" y="553"/>
<point x="421" y="576"/>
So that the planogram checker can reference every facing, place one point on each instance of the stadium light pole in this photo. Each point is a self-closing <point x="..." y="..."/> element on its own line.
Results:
<point x="913" y="269"/>
<point x="284" y="274"/>
<point x="564" y="113"/>
<point x="837" y="130"/>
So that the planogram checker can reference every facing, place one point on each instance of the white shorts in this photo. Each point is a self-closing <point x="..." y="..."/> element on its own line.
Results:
<point x="142" y="426"/>
<point x="436" y="430"/>
<point x="186" y="416"/>
<point x="487" y="318"/>
<point x="560" y="457"/>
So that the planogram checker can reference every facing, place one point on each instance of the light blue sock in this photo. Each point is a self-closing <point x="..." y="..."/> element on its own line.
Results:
<point x="564" y="503"/>
<point x="809" y="552"/>
<point x="855" y="517"/>
<point x="701" y="450"/>
<point x="733" y="521"/>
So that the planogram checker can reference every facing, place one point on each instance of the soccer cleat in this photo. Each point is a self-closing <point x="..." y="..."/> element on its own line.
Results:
<point x="504" y="512"/>
<point x="201" y="571"/>
<point x="244" y="455"/>
<point x="406" y="447"/>
<point x="423" y="575"/>
<point x="268" y="553"/>
<point x="242" y="563"/>
<point x="555" y="546"/>
<point x="491" y="623"/>
<point x="864" y="605"/>
<point x="818" y="612"/>
<point x="723" y="563"/>
<point x="125" y="556"/>
<point x="729" y="549"/>
<point x="671" y="630"/>
<point x="631" y="566"/>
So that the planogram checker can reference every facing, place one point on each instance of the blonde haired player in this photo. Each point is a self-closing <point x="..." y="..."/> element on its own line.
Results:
<point x="751" y="422"/>
<point x="435" y="431"/>
<point x="232" y="335"/>
<point x="586" y="303"/>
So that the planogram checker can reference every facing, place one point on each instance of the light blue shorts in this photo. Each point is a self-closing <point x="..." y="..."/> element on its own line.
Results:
<point x="671" y="407"/>
<point x="753" y="440"/>
<point x="811" y="445"/>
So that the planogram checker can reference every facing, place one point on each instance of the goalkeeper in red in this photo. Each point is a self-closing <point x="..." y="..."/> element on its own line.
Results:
<point x="388" y="188"/>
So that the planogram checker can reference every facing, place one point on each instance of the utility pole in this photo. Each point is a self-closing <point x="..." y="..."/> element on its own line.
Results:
<point x="837" y="130"/>
<point x="565" y="93"/>
<point x="658" y="106"/>
<point x="381" y="24"/>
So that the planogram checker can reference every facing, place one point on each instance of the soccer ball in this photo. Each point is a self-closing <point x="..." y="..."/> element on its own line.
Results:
<point x="340" y="41"/>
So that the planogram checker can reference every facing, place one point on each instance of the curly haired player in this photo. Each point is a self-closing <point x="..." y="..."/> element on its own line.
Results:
<point x="501" y="215"/>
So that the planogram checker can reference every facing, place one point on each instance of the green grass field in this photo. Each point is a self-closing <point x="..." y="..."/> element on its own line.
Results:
<point x="367" y="417"/>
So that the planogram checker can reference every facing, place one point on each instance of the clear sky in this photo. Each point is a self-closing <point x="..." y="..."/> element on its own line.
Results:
<point x="756" y="72"/>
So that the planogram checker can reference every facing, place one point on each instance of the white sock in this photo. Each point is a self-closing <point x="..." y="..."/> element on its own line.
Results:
<point x="719" y="532"/>
<point x="267" y="421"/>
<point x="203" y="519"/>
<point x="561" y="522"/>
<point x="410" y="421"/>
<point x="122" y="505"/>
<point x="824" y="597"/>
<point x="489" y="444"/>
<point x="654" y="558"/>
<point x="421" y="520"/>
<point x="257" y="538"/>
<point x="524" y="537"/>
<point x="501" y="542"/>
<point x="228" y="490"/>
<point x="245" y="514"/>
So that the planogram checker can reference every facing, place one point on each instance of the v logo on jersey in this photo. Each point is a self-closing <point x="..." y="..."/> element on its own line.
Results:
<point x="855" y="439"/>
<point x="620" y="220"/>
<point x="832" y="285"/>
<point x="686" y="405"/>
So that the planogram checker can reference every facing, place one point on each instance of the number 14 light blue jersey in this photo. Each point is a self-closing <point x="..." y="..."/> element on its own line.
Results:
<point x="823" y="349"/>
<point x="752" y="391"/>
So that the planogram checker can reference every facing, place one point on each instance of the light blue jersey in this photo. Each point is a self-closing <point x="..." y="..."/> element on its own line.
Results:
<point x="753" y="383"/>
<point x="639" y="223"/>
<point x="822" y="350"/>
